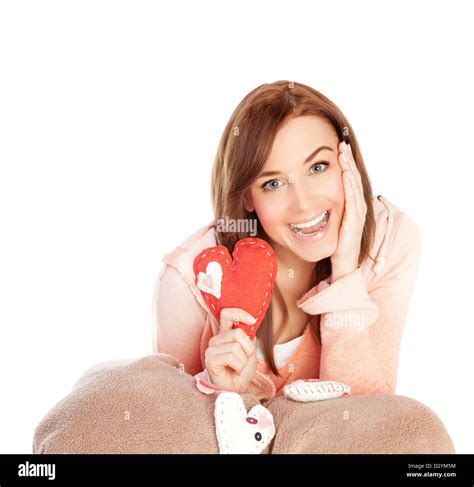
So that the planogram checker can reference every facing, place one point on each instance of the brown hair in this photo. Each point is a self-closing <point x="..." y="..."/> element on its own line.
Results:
<point x="243" y="149"/>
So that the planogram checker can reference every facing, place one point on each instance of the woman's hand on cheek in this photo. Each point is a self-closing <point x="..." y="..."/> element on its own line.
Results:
<point x="346" y="257"/>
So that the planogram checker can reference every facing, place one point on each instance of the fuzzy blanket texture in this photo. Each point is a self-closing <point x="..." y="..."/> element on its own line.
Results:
<point x="151" y="405"/>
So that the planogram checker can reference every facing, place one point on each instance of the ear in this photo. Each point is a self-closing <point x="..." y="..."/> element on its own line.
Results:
<point x="248" y="205"/>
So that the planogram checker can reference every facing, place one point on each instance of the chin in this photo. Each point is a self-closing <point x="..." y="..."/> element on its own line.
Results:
<point x="316" y="254"/>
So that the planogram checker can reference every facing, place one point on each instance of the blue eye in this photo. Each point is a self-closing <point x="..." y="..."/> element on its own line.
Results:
<point x="267" y="186"/>
<point x="325" y="164"/>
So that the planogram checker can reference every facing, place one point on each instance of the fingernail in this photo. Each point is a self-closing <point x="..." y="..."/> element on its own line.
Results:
<point x="350" y="148"/>
<point x="344" y="145"/>
<point x="343" y="157"/>
<point x="251" y="319"/>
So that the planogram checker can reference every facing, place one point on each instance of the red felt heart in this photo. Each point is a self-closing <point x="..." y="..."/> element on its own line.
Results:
<point x="244" y="281"/>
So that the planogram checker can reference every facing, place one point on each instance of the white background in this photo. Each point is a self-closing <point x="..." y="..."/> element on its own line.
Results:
<point x="110" y="116"/>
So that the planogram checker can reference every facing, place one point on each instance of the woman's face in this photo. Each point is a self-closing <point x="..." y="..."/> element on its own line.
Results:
<point x="306" y="181"/>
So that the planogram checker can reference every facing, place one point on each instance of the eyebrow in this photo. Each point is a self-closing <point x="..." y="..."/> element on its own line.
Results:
<point x="309" y="158"/>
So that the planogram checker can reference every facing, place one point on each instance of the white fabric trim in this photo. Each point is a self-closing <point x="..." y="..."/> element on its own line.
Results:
<point x="281" y="351"/>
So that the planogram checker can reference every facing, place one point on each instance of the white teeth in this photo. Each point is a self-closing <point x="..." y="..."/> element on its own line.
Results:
<point x="312" y="223"/>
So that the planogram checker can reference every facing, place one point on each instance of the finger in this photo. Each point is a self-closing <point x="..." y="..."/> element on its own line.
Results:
<point x="351" y="162"/>
<point x="354" y="178"/>
<point x="356" y="205"/>
<point x="350" y="208"/>
<point x="228" y="360"/>
<point x="236" y="335"/>
<point x="229" y="316"/>
<point x="348" y="162"/>
<point x="343" y="161"/>
<point x="251" y="363"/>
<point x="231" y="347"/>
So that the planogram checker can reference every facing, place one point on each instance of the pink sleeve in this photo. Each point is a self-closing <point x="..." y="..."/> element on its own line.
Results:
<point x="361" y="329"/>
<point x="178" y="320"/>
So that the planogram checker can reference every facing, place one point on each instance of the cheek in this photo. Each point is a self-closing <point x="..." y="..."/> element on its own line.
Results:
<point x="338" y="196"/>
<point x="269" y="211"/>
<point x="332" y="190"/>
<point x="336" y="190"/>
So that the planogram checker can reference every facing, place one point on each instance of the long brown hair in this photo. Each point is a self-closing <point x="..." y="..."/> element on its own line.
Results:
<point x="244" y="147"/>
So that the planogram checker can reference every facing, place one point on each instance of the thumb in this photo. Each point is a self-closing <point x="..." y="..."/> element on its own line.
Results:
<point x="229" y="316"/>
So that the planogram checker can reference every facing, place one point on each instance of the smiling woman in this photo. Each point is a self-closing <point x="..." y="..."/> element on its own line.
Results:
<point x="346" y="261"/>
<point x="336" y="311"/>
<point x="280" y="162"/>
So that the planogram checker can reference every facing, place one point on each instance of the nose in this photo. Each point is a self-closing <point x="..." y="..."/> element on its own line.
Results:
<point x="299" y="197"/>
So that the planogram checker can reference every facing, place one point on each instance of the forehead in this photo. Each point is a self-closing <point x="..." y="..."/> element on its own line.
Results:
<point x="298" y="137"/>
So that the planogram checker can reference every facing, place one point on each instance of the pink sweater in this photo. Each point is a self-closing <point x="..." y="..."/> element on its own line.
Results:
<point x="356" y="339"/>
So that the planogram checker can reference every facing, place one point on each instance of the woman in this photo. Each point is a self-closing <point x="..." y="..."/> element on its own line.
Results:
<point x="347" y="261"/>
<point x="346" y="267"/>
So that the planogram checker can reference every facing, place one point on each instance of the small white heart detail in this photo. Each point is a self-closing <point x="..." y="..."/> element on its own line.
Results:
<point x="210" y="281"/>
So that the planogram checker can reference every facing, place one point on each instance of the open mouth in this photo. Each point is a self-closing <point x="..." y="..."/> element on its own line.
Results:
<point x="317" y="224"/>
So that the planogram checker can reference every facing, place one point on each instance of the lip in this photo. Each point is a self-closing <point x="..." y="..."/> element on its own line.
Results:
<point x="309" y="219"/>
<point x="317" y="236"/>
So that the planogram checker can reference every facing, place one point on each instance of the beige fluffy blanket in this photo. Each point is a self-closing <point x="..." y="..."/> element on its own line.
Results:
<point x="149" y="405"/>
